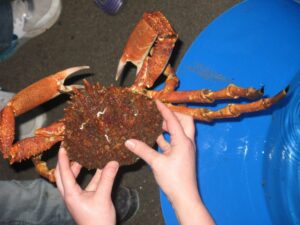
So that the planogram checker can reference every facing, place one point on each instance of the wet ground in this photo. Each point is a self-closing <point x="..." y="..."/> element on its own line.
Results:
<point x="84" y="35"/>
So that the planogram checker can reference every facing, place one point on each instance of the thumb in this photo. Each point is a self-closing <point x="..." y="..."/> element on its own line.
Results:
<point x="142" y="150"/>
<point x="107" y="178"/>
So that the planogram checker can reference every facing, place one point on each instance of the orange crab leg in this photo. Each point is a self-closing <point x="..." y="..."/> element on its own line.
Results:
<point x="56" y="130"/>
<point x="29" y="147"/>
<point x="44" y="139"/>
<point x="7" y="130"/>
<point x="170" y="85"/>
<point x="231" y="110"/>
<point x="29" y="98"/>
<point x="171" y="81"/>
<point x="42" y="168"/>
<point x="205" y="95"/>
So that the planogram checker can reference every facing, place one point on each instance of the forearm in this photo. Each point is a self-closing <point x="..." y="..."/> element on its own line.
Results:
<point x="191" y="210"/>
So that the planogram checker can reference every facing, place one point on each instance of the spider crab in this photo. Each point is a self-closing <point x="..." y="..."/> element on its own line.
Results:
<point x="94" y="128"/>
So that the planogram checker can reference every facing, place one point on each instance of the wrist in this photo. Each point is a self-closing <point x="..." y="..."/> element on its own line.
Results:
<point x="186" y="199"/>
<point x="184" y="194"/>
<point x="190" y="209"/>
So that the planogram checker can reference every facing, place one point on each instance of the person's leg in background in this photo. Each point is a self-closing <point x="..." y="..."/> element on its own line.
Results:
<point x="32" y="202"/>
<point x="6" y="25"/>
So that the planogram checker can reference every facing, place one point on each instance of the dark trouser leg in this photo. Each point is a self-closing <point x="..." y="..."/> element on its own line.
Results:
<point x="6" y="25"/>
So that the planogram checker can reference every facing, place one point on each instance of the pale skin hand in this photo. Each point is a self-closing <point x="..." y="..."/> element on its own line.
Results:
<point x="92" y="205"/>
<point x="174" y="169"/>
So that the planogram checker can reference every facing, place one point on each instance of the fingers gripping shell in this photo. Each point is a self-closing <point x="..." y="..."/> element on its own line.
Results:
<point x="99" y="120"/>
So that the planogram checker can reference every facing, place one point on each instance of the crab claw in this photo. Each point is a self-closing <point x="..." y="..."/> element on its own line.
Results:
<point x="149" y="48"/>
<point x="42" y="91"/>
<point x="65" y="74"/>
<point x="120" y="69"/>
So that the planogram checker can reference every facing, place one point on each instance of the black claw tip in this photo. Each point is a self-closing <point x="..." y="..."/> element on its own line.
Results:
<point x="286" y="90"/>
<point x="262" y="90"/>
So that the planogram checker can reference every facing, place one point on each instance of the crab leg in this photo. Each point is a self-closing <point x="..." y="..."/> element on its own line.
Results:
<point x="7" y="130"/>
<point x="42" y="168"/>
<point x="170" y="85"/>
<point x="171" y="81"/>
<point x="29" y="98"/>
<point x="56" y="130"/>
<point x="205" y="95"/>
<point x="44" y="139"/>
<point x="231" y="110"/>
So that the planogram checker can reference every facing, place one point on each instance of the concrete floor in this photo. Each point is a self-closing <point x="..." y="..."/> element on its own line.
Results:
<point x="84" y="35"/>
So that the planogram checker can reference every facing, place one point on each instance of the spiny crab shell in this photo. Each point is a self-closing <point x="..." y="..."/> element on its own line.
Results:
<point x="98" y="121"/>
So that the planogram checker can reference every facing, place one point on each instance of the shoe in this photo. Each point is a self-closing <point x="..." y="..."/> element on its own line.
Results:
<point x="126" y="202"/>
<point x="27" y="123"/>
<point x="30" y="19"/>
<point x="33" y="17"/>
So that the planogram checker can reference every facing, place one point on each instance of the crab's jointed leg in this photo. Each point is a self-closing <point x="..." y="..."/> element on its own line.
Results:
<point x="171" y="81"/>
<point x="42" y="168"/>
<point x="43" y="139"/>
<point x="205" y="95"/>
<point x="33" y="147"/>
<point x="149" y="48"/>
<point x="27" y="99"/>
<point x="231" y="110"/>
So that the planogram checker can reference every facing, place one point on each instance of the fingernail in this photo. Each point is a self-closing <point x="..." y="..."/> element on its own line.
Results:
<point x="129" y="144"/>
<point x="62" y="151"/>
<point x="114" y="166"/>
<point x="158" y="103"/>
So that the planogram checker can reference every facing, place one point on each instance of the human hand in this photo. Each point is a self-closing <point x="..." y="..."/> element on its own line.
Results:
<point x="92" y="205"/>
<point x="174" y="169"/>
